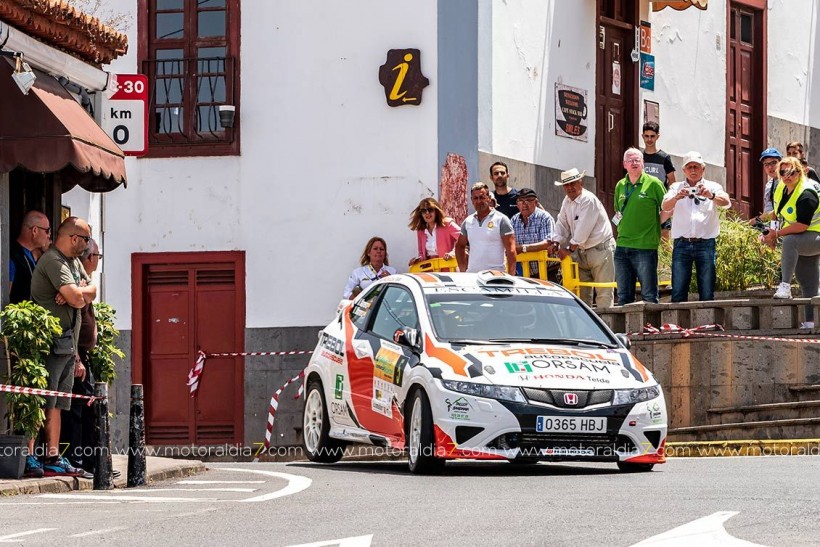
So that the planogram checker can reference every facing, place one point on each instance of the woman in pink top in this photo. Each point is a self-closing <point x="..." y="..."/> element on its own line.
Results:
<point x="437" y="234"/>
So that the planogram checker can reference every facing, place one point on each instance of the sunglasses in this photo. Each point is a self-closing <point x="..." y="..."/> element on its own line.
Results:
<point x="770" y="163"/>
<point x="787" y="173"/>
<point x="84" y="238"/>
<point x="46" y="230"/>
<point x="422" y="211"/>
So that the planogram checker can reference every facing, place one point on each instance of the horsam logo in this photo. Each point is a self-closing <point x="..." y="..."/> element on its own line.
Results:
<point x="518" y="367"/>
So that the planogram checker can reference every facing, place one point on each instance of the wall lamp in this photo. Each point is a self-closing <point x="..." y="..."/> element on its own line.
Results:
<point x="226" y="115"/>
<point x="23" y="76"/>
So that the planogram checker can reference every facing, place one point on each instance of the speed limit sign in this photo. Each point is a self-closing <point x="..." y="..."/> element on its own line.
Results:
<point x="125" y="114"/>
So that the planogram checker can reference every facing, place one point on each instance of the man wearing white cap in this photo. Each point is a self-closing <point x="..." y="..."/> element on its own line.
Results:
<point x="695" y="203"/>
<point x="583" y="231"/>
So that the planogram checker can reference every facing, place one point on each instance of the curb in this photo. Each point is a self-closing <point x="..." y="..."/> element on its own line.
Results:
<point x="750" y="447"/>
<point x="59" y="485"/>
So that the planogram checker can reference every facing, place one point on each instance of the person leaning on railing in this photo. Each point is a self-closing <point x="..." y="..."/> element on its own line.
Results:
<point x="436" y="233"/>
<point x="797" y="208"/>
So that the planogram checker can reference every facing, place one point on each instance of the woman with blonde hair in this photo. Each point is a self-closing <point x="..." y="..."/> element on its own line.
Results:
<point x="436" y="233"/>
<point x="797" y="208"/>
<point x="375" y="265"/>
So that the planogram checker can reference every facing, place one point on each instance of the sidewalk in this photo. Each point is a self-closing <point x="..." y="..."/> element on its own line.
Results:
<point x="158" y="469"/>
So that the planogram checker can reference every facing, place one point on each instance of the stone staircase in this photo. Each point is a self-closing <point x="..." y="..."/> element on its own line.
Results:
<point x="796" y="419"/>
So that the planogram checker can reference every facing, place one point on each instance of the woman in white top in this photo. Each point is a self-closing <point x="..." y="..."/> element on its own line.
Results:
<point x="374" y="266"/>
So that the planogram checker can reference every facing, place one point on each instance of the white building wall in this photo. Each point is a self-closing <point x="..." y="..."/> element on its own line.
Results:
<point x="526" y="48"/>
<point x="690" y="80"/>
<point x="325" y="163"/>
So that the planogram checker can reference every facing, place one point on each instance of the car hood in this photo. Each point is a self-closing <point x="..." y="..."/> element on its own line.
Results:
<point x="549" y="366"/>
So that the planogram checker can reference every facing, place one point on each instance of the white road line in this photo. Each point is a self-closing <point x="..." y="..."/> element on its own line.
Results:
<point x="358" y="541"/>
<point x="97" y="532"/>
<point x="246" y="490"/>
<point x="296" y="483"/>
<point x="14" y="538"/>
<point x="193" y="513"/>
<point x="125" y="498"/>
<point x="218" y="482"/>
<point x="704" y="531"/>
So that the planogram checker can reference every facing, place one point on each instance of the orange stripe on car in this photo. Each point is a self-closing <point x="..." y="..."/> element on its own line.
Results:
<point x="427" y="278"/>
<point x="641" y="369"/>
<point x="447" y="356"/>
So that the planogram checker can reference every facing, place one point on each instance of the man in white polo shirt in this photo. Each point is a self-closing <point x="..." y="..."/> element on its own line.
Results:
<point x="695" y="204"/>
<point x="489" y="235"/>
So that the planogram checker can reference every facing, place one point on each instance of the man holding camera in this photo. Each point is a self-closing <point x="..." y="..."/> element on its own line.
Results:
<point x="695" y="204"/>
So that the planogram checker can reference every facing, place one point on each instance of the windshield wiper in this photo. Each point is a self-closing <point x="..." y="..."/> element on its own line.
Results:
<point x="560" y="341"/>
<point x="465" y="342"/>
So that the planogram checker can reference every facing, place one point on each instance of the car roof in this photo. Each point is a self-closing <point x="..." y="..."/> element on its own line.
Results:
<point x="488" y="281"/>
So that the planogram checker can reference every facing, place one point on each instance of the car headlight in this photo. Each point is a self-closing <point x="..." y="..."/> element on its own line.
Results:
<point x="630" y="396"/>
<point x="502" y="393"/>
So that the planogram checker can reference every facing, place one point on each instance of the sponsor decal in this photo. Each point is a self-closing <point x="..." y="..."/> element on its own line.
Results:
<point x="570" y="399"/>
<point x="548" y="353"/>
<point x="333" y="344"/>
<point x="515" y="367"/>
<point x="338" y="408"/>
<point x="382" y="407"/>
<point x="653" y="408"/>
<point x="568" y="451"/>
<point x="340" y="383"/>
<point x="389" y="365"/>
<point x="489" y="369"/>
<point x="383" y="393"/>
<point x="581" y="377"/>
<point x="536" y="291"/>
<point x="459" y="409"/>
<point x="331" y="357"/>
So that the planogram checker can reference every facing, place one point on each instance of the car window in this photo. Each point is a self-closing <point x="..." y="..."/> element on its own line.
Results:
<point x="396" y="310"/>
<point x="358" y="313"/>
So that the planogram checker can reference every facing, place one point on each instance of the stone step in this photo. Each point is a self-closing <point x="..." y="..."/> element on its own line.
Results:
<point x="805" y="392"/>
<point x="765" y="412"/>
<point x="790" y="428"/>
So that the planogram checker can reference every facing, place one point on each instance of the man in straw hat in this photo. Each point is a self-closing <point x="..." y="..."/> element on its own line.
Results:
<point x="583" y="231"/>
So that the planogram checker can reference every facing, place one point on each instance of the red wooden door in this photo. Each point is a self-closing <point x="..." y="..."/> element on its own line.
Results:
<point x="184" y="305"/>
<point x="745" y="125"/>
<point x="616" y="94"/>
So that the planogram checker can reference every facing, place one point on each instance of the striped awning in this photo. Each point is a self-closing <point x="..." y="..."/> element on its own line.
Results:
<point x="680" y="4"/>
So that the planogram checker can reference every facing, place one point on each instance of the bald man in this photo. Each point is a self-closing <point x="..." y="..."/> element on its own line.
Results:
<point x="34" y="239"/>
<point x="61" y="286"/>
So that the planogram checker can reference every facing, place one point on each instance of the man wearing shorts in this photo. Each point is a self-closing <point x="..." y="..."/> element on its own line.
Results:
<point x="60" y="285"/>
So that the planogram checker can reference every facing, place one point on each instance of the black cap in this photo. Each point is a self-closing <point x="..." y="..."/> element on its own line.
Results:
<point x="526" y="193"/>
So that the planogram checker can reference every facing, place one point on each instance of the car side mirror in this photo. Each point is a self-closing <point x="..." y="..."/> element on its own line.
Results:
<point x="407" y="336"/>
<point x="624" y="339"/>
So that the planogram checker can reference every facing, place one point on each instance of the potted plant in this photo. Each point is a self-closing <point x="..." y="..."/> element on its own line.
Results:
<point x="27" y="331"/>
<point x="102" y="356"/>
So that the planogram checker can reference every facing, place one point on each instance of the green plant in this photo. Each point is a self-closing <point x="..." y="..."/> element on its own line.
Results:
<point x="102" y="356"/>
<point x="28" y="330"/>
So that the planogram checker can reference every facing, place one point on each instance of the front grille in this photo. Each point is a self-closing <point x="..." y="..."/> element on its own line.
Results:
<point x="555" y="397"/>
<point x="558" y="446"/>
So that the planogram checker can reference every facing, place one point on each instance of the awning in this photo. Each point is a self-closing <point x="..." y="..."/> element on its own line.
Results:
<point x="47" y="131"/>
<point x="680" y="5"/>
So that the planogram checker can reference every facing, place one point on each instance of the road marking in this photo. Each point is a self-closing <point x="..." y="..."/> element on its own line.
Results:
<point x="125" y="498"/>
<point x="704" y="531"/>
<point x="358" y="541"/>
<point x="246" y="490"/>
<point x="96" y="532"/>
<point x="219" y="482"/>
<point x="296" y="483"/>
<point x="193" y="513"/>
<point x="14" y="538"/>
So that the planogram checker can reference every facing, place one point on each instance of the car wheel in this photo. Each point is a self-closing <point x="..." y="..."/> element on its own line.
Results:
<point x="628" y="467"/>
<point x="421" y="441"/>
<point x="315" y="427"/>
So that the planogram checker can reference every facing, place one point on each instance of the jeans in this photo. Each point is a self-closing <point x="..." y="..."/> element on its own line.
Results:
<point x="801" y="258"/>
<point x="702" y="255"/>
<point x="636" y="265"/>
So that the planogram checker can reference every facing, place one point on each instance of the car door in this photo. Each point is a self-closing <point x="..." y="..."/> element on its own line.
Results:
<point x="377" y="382"/>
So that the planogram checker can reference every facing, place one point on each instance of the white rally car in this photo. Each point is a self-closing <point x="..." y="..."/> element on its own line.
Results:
<point x="479" y="366"/>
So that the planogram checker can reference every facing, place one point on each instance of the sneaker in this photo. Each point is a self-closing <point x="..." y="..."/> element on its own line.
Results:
<point x="784" y="290"/>
<point x="34" y="469"/>
<point x="61" y="467"/>
<point x="807" y="325"/>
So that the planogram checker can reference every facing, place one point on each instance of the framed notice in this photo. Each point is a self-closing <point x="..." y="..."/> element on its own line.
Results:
<point x="571" y="112"/>
<point x="651" y="112"/>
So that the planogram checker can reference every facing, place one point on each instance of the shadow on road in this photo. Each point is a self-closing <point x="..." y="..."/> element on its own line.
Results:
<point x="471" y="468"/>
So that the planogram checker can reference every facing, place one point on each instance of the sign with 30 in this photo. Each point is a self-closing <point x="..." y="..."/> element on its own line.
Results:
<point x="125" y="114"/>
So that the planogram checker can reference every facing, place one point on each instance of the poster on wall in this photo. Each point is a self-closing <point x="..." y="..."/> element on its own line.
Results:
<point x="570" y="112"/>
<point x="647" y="72"/>
<point x="616" y="78"/>
<point x="651" y="112"/>
<point x="646" y="37"/>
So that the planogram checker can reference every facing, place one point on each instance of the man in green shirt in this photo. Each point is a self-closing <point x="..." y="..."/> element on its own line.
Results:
<point x="638" y="198"/>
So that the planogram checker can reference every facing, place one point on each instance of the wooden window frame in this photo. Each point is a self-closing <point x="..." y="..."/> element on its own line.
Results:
<point x="229" y="145"/>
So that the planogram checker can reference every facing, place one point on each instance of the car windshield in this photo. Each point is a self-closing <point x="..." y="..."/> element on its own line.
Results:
<point x="492" y="318"/>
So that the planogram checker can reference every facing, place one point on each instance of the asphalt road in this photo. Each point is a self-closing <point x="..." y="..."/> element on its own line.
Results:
<point x="721" y="501"/>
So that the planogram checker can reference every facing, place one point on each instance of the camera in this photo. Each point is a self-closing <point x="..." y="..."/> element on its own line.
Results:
<point x="693" y="191"/>
<point x="765" y="231"/>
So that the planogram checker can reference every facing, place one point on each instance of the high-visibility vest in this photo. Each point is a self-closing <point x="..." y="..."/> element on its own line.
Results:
<point x="788" y="213"/>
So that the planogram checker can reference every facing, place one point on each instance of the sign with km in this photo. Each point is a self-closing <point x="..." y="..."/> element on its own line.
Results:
<point x="125" y="114"/>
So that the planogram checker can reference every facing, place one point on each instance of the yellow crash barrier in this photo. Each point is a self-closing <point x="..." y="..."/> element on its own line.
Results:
<point x="435" y="265"/>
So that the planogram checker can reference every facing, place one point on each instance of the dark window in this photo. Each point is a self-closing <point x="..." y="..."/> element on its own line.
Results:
<point x="359" y="312"/>
<point x="746" y="28"/>
<point x="190" y="52"/>
<point x="396" y="310"/>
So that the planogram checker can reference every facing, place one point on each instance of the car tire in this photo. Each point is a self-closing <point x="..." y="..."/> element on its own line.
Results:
<point x="319" y="447"/>
<point x="421" y="443"/>
<point x="628" y="467"/>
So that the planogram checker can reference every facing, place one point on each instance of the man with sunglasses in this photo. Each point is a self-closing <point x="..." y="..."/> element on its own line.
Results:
<point x="34" y="239"/>
<point x="695" y="203"/>
<point x="769" y="158"/>
<point x="60" y="285"/>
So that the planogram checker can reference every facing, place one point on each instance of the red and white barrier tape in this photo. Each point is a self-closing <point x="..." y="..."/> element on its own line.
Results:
<point x="669" y="328"/>
<point x="274" y="405"/>
<point x="199" y="365"/>
<point x="46" y="392"/>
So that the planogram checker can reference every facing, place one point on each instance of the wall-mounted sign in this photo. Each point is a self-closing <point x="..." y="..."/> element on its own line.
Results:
<point x="651" y="112"/>
<point x="647" y="72"/>
<point x="402" y="78"/>
<point x="646" y="37"/>
<point x="616" y="78"/>
<point x="680" y="4"/>
<point x="570" y="112"/>
<point x="124" y="115"/>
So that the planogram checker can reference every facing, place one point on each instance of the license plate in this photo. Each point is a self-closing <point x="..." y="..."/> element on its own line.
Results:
<point x="570" y="424"/>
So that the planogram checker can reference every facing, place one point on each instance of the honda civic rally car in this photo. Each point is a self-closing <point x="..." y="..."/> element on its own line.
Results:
<point x="479" y="366"/>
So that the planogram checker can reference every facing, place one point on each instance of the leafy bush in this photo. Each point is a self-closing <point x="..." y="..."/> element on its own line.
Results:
<point x="742" y="262"/>
<point x="28" y="330"/>
<point x="102" y="356"/>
